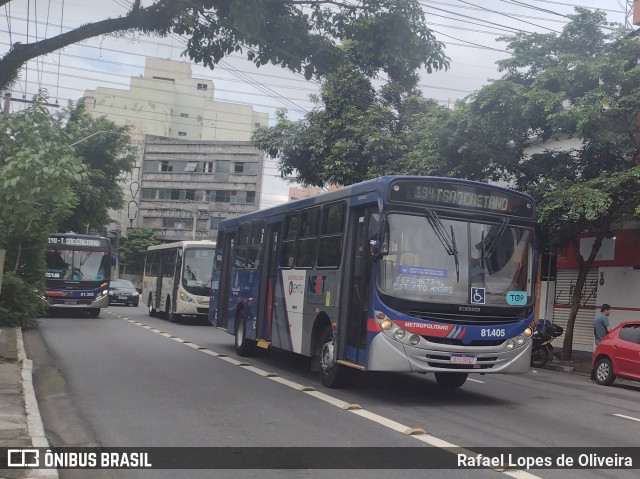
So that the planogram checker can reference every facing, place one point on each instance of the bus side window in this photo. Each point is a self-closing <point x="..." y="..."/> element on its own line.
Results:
<point x="289" y="242"/>
<point x="331" y="236"/>
<point x="308" y="238"/>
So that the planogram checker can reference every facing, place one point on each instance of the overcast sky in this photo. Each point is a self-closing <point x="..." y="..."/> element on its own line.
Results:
<point x="467" y="28"/>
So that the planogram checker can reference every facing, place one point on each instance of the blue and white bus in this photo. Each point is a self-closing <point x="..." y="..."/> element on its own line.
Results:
<point x="78" y="272"/>
<point x="400" y="273"/>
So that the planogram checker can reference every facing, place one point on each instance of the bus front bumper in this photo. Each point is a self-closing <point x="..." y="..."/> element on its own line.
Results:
<point x="387" y="354"/>
<point x="99" y="303"/>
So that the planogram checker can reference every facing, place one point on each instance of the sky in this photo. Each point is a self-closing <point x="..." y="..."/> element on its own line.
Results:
<point x="468" y="29"/>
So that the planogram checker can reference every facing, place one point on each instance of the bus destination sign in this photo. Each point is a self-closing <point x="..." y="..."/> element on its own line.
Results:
<point x="458" y="195"/>
<point x="74" y="242"/>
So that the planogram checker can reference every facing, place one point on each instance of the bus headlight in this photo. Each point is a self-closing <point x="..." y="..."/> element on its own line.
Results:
<point x="527" y="332"/>
<point x="386" y="324"/>
<point x="399" y="334"/>
<point x="520" y="340"/>
<point x="414" y="339"/>
<point x="510" y="344"/>
<point x="185" y="297"/>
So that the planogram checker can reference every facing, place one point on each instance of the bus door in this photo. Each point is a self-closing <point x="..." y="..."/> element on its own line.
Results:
<point x="359" y="289"/>
<point x="268" y="279"/>
<point x="228" y="241"/>
<point x="158" y="260"/>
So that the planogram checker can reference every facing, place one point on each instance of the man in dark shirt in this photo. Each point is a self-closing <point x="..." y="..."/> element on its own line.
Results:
<point x="601" y="322"/>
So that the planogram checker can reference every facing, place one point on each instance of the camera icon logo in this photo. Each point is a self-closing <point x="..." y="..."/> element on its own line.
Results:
<point x="23" y="457"/>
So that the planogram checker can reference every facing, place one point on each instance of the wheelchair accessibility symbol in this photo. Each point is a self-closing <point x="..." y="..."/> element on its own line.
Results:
<point x="477" y="295"/>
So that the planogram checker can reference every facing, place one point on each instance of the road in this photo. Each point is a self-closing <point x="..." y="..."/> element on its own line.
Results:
<point x="126" y="379"/>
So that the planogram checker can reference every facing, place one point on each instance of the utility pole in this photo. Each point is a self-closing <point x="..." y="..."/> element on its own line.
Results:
<point x="7" y="103"/>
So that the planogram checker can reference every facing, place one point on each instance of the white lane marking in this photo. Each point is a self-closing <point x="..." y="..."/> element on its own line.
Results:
<point x="627" y="417"/>
<point x="476" y="381"/>
<point x="416" y="433"/>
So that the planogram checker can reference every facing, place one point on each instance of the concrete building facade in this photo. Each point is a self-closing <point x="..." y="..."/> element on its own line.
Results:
<point x="187" y="187"/>
<point x="167" y="101"/>
<point x="194" y="160"/>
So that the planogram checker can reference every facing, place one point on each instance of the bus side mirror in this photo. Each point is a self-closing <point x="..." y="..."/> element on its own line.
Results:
<point x="374" y="234"/>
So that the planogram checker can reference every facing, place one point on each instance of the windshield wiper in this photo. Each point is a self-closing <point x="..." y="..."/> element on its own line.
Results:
<point x="449" y="242"/>
<point x="486" y="253"/>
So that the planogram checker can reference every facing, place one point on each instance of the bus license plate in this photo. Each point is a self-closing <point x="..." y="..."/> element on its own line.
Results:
<point x="70" y="302"/>
<point x="463" y="359"/>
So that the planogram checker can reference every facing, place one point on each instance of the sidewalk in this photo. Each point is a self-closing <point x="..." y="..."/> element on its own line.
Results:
<point x="20" y="422"/>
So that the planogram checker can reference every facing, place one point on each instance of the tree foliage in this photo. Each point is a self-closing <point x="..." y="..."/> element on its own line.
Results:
<point x="582" y="87"/>
<point x="309" y="36"/>
<point x="134" y="247"/>
<point x="356" y="131"/>
<point x="38" y="171"/>
<point x="107" y="153"/>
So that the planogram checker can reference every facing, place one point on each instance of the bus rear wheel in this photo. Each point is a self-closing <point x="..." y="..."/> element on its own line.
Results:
<point x="451" y="380"/>
<point x="244" y="346"/>
<point x="331" y="373"/>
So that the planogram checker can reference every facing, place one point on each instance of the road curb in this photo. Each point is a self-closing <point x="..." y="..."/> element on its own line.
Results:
<point x="34" y="420"/>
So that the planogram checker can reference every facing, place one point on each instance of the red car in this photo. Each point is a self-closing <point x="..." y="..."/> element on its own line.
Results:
<point x="617" y="354"/>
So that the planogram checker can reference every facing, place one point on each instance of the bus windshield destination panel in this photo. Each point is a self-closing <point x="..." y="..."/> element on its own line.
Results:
<point x="438" y="193"/>
<point x="351" y="280"/>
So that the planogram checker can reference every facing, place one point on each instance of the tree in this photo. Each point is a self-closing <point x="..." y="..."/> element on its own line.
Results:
<point x="38" y="170"/>
<point x="308" y="36"/>
<point x="134" y="247"/>
<point x="106" y="152"/>
<point x="356" y="132"/>
<point x="582" y="85"/>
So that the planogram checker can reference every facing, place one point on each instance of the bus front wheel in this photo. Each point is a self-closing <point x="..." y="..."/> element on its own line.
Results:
<point x="244" y="346"/>
<point x="94" y="312"/>
<point x="451" y="380"/>
<point x="152" y="311"/>
<point x="171" y="316"/>
<point x="331" y="373"/>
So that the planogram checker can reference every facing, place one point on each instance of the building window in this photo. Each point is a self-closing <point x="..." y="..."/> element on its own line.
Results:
<point x="149" y="222"/>
<point x="238" y="167"/>
<point x="223" y="197"/>
<point x="182" y="133"/>
<point x="175" y="194"/>
<point x="148" y="193"/>
<point x="251" y="197"/>
<point x="165" y="166"/>
<point x="208" y="167"/>
<point x="190" y="195"/>
<point x="191" y="166"/>
<point x="184" y="115"/>
<point x="202" y="86"/>
<point x="257" y="125"/>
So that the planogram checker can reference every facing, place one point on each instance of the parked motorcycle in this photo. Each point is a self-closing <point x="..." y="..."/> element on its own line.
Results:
<point x="544" y="333"/>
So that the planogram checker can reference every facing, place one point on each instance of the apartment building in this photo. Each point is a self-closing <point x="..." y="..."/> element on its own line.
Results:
<point x="195" y="163"/>
<point x="187" y="187"/>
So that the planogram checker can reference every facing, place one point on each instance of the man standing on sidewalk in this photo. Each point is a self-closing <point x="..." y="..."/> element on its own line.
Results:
<point x="601" y="322"/>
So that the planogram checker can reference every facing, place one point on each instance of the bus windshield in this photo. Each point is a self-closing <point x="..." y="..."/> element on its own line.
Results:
<point x="433" y="259"/>
<point x="196" y="273"/>
<point x="77" y="265"/>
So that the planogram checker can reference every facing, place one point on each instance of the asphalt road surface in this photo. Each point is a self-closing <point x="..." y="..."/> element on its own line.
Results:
<point x="128" y="380"/>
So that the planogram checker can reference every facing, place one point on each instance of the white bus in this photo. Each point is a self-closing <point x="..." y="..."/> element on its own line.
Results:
<point x="177" y="279"/>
